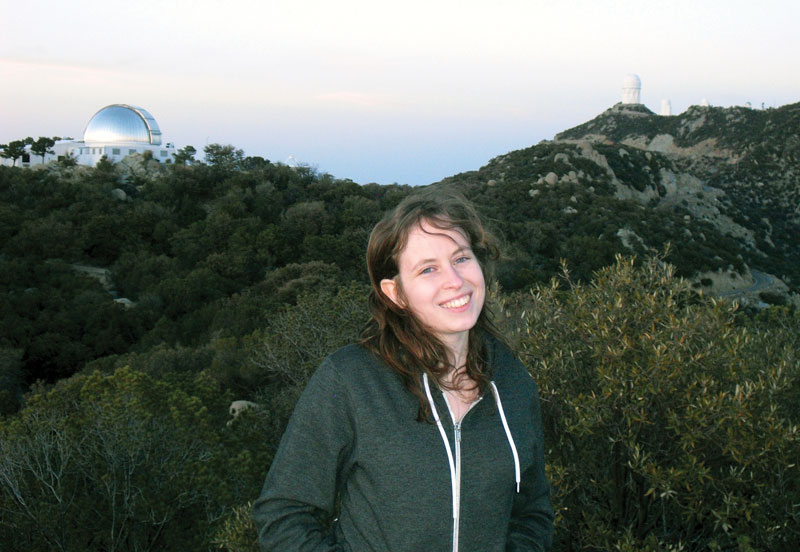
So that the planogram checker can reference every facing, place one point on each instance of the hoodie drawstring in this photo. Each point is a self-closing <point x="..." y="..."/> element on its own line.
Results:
<point x="496" y="393"/>
<point x="508" y="433"/>
<point x="446" y="442"/>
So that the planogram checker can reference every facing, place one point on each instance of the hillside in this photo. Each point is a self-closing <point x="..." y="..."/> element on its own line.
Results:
<point x="722" y="185"/>
<point x="191" y="251"/>
<point x="158" y="323"/>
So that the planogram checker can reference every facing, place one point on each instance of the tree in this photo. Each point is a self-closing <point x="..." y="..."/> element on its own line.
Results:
<point x="226" y="158"/>
<point x="67" y="160"/>
<point x="13" y="150"/>
<point x="669" y="425"/>
<point x="185" y="155"/>
<point x="42" y="146"/>
<point x="123" y="461"/>
<point x="252" y="163"/>
<point x="10" y="379"/>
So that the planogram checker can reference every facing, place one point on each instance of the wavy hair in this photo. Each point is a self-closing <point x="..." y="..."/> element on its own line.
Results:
<point x="393" y="333"/>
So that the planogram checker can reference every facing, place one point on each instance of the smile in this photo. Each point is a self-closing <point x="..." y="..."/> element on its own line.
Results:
<point x="455" y="303"/>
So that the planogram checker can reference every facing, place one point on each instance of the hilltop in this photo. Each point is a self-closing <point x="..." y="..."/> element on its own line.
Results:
<point x="720" y="184"/>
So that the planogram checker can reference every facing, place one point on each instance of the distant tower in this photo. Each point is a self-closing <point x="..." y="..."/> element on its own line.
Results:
<point x="666" y="107"/>
<point x="704" y="103"/>
<point x="631" y="87"/>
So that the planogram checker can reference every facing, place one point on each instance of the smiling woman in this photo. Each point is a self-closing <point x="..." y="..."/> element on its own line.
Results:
<point x="441" y="282"/>
<point x="367" y="446"/>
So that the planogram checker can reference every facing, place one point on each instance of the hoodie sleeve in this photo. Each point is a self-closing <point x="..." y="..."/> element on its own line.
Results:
<point x="301" y="486"/>
<point x="531" y="525"/>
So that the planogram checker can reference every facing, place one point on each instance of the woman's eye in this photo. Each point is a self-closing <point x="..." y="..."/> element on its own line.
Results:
<point x="427" y="270"/>
<point x="462" y="259"/>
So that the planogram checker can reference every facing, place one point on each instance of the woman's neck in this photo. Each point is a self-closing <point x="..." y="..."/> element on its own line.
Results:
<point x="456" y="347"/>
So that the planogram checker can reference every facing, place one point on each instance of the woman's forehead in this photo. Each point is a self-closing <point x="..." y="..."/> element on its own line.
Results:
<point x="423" y="239"/>
<point x="427" y="227"/>
<point x="430" y="227"/>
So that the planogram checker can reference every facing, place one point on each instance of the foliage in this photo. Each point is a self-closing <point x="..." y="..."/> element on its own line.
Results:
<point x="238" y="533"/>
<point x="241" y="274"/>
<point x="10" y="379"/>
<point x="185" y="155"/>
<point x="748" y="156"/>
<point x="13" y="150"/>
<point x="224" y="158"/>
<point x="669" y="424"/>
<point x="42" y="146"/>
<point x="121" y="462"/>
<point x="199" y="251"/>
<point x="296" y="340"/>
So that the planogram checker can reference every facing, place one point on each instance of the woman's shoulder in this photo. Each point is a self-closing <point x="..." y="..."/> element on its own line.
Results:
<point x="354" y="363"/>
<point x="506" y="366"/>
<point x="352" y="355"/>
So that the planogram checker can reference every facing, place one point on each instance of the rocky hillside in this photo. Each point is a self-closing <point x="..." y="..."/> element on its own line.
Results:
<point x="722" y="185"/>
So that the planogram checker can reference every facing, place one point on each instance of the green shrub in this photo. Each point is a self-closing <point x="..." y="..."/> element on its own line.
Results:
<point x="123" y="461"/>
<point x="669" y="425"/>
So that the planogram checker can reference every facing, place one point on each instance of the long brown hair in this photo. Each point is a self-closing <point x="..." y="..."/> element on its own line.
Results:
<point x="407" y="345"/>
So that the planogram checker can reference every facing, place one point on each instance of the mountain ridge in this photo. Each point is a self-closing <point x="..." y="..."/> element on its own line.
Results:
<point x="725" y="175"/>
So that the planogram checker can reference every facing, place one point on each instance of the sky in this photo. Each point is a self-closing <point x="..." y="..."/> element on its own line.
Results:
<point x="408" y="92"/>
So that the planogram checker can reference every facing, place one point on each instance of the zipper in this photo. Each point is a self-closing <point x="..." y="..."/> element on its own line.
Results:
<point x="457" y="461"/>
<point x="455" y="465"/>
<point x="457" y="482"/>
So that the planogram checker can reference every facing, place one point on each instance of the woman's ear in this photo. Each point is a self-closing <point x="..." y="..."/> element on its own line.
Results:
<point x="389" y="289"/>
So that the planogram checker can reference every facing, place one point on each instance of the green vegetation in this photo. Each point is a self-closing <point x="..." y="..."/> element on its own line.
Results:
<point x="671" y="419"/>
<point x="673" y="423"/>
<point x="750" y="155"/>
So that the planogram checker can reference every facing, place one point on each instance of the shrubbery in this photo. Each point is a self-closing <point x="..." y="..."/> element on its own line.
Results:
<point x="671" y="419"/>
<point x="670" y="425"/>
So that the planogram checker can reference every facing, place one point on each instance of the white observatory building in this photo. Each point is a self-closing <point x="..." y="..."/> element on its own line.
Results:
<point x="116" y="131"/>
<point x="631" y="88"/>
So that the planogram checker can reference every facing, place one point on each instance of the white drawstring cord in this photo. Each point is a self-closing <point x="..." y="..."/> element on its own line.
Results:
<point x="446" y="442"/>
<point x="508" y="433"/>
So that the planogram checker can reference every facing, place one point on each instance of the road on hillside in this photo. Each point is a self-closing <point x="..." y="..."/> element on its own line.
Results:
<point x="760" y="282"/>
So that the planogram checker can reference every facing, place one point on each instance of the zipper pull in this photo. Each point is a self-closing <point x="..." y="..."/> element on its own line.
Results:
<point x="457" y="428"/>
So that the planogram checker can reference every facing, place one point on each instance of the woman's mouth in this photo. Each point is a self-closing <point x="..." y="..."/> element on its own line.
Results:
<point x="456" y="303"/>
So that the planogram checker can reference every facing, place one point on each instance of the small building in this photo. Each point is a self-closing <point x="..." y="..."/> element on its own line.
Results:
<point x="631" y="89"/>
<point x="116" y="131"/>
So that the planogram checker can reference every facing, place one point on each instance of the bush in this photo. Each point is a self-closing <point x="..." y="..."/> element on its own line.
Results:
<point x="123" y="462"/>
<point x="669" y="425"/>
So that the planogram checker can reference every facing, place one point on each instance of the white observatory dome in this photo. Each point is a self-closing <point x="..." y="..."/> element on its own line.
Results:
<point x="631" y="87"/>
<point x="119" y="123"/>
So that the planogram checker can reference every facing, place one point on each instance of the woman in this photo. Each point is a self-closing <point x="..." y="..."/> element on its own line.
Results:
<point x="426" y="436"/>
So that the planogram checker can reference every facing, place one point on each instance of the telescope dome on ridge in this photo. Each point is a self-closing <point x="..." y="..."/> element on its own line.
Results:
<point x="113" y="133"/>
<point x="631" y="87"/>
<point x="120" y="123"/>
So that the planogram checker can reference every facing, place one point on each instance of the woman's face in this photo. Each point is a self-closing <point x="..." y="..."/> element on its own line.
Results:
<point x="440" y="281"/>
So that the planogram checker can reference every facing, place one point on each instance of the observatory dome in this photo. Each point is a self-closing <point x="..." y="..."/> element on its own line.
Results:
<point x="631" y="87"/>
<point x="632" y="81"/>
<point x="120" y="123"/>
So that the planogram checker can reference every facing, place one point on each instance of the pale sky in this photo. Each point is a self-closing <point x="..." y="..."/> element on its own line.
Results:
<point x="408" y="92"/>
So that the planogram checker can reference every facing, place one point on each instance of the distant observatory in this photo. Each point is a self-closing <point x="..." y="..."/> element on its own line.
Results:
<point x="116" y="131"/>
<point x="666" y="107"/>
<point x="631" y="87"/>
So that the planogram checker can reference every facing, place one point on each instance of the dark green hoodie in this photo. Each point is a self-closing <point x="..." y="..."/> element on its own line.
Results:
<point x="354" y="434"/>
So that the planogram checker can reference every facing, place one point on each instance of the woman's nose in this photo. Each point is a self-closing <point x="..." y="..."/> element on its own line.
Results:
<point x="452" y="278"/>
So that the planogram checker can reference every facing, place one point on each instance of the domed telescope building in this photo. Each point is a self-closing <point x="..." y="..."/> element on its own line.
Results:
<point x="631" y="88"/>
<point x="116" y="131"/>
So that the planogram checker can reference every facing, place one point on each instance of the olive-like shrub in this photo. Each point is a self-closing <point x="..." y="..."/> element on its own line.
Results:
<point x="670" y="421"/>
